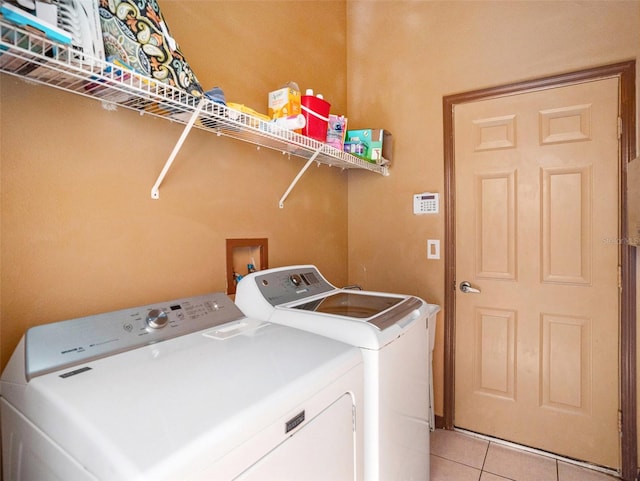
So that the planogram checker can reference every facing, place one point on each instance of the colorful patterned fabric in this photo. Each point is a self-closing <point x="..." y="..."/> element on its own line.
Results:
<point x="134" y="32"/>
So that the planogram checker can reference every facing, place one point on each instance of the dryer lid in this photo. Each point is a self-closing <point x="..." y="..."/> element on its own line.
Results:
<point x="156" y="411"/>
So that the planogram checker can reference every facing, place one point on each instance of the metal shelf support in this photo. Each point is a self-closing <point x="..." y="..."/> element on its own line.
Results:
<point x="155" y="190"/>
<point x="297" y="178"/>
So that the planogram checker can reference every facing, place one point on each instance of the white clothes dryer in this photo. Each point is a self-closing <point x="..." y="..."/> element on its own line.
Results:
<point x="189" y="389"/>
<point x="393" y="333"/>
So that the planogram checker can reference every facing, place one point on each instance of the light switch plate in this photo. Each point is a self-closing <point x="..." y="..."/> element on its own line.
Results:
<point x="433" y="249"/>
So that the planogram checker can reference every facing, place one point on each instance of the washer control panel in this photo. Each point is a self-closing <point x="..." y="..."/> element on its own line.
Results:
<point x="51" y="347"/>
<point x="291" y="284"/>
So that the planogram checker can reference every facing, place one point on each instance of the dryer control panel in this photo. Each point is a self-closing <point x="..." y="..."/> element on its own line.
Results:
<point x="52" y="347"/>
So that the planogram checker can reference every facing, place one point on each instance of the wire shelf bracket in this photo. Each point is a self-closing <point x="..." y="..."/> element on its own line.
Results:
<point x="155" y="190"/>
<point x="297" y="177"/>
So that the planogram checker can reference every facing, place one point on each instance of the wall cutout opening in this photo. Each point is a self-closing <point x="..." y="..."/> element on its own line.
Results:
<point x="245" y="256"/>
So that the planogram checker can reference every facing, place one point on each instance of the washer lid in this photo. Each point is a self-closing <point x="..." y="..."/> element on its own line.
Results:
<point x="381" y="311"/>
<point x="345" y="303"/>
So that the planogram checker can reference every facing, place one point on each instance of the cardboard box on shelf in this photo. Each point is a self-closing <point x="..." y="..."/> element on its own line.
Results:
<point x="373" y="145"/>
<point x="284" y="102"/>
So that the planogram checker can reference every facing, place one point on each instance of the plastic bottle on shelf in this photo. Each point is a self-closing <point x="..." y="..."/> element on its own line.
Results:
<point x="292" y="122"/>
<point x="309" y="92"/>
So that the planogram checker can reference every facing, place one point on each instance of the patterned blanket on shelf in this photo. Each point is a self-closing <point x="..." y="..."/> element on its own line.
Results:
<point x="135" y="34"/>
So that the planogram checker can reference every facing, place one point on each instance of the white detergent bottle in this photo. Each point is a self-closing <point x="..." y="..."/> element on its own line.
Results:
<point x="292" y="122"/>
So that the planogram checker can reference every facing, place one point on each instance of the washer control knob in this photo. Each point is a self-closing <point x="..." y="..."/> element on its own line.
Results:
<point x="295" y="279"/>
<point x="157" y="318"/>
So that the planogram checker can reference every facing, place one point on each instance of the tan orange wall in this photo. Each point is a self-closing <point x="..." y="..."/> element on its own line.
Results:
<point x="251" y="47"/>
<point x="79" y="231"/>
<point x="403" y="57"/>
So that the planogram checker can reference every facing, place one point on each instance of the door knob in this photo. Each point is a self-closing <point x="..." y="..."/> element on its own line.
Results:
<point x="465" y="286"/>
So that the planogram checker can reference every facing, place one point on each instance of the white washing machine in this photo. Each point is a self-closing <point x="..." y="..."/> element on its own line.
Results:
<point x="185" y="390"/>
<point x="395" y="335"/>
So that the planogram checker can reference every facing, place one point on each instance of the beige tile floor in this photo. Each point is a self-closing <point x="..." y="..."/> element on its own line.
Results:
<point x="457" y="456"/>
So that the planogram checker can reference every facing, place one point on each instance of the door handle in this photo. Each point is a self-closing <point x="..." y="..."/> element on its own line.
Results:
<point x="465" y="286"/>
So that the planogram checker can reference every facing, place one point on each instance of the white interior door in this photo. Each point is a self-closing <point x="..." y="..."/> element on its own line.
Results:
<point x="537" y="209"/>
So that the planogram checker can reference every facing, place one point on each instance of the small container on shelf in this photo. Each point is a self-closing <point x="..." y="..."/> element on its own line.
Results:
<point x="316" y="112"/>
<point x="336" y="131"/>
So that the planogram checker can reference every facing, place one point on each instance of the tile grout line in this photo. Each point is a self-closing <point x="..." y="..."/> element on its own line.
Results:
<point x="557" y="469"/>
<point x="486" y="454"/>
<point x="456" y="462"/>
<point x="484" y="460"/>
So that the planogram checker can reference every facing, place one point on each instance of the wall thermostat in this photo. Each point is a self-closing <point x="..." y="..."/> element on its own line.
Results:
<point x="426" y="203"/>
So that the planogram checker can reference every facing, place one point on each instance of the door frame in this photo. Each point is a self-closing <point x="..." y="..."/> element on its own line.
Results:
<point x="625" y="71"/>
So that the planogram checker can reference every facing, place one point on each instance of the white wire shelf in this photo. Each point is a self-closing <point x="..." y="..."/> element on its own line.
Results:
<point x="33" y="57"/>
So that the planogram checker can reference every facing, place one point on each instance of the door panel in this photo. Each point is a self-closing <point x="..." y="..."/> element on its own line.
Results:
<point x="566" y="225"/>
<point x="536" y="200"/>
<point x="496" y="226"/>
